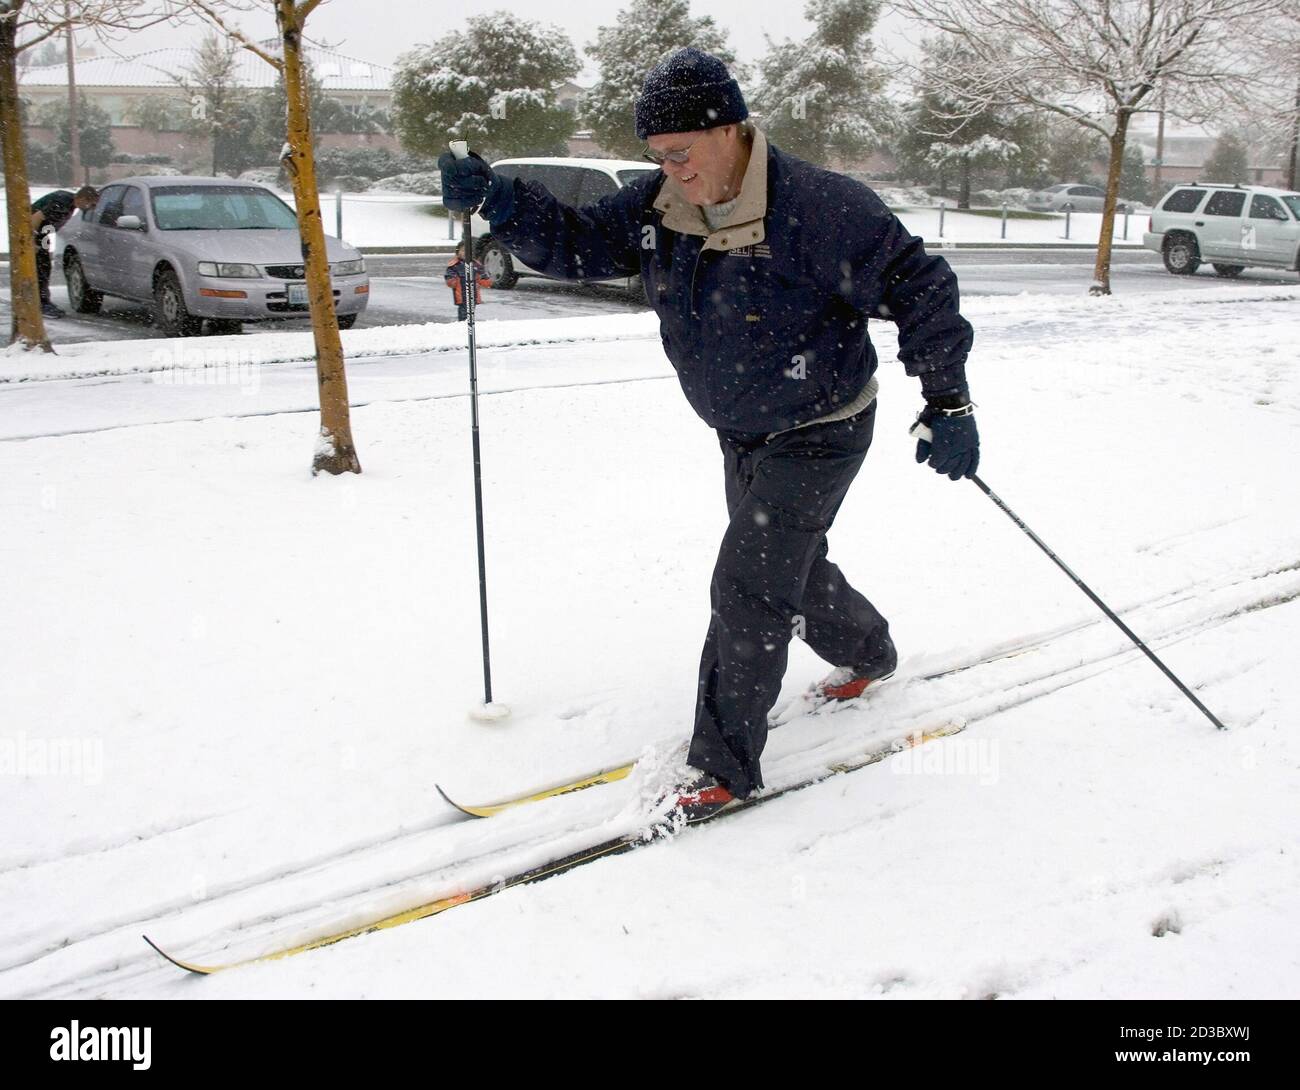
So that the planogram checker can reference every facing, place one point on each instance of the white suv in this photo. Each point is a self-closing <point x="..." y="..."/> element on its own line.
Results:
<point x="1230" y="226"/>
<point x="575" y="182"/>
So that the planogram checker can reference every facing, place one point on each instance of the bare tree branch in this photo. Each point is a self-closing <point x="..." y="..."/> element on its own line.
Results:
<point x="209" y="11"/>
<point x="1096" y="62"/>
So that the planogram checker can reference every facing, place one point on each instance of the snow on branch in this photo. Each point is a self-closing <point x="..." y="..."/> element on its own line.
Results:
<point x="1095" y="61"/>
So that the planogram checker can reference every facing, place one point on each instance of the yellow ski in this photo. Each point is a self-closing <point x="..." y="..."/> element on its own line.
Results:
<point x="562" y="865"/>
<point x="608" y="775"/>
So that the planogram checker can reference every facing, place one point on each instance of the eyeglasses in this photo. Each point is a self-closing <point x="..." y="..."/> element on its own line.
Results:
<point x="678" y="156"/>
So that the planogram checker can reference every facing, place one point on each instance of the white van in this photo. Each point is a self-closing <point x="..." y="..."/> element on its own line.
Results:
<point x="574" y="182"/>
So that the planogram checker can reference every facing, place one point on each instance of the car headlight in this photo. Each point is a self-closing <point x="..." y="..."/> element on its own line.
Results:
<point x="350" y="268"/>
<point x="227" y="268"/>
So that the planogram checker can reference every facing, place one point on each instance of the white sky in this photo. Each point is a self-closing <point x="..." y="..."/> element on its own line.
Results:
<point x="378" y="30"/>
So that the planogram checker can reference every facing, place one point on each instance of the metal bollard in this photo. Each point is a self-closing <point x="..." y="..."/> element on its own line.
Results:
<point x="941" y="211"/>
<point x="1126" y="211"/>
<point x="1068" y="209"/>
<point x="1004" y="219"/>
<point x="338" y="213"/>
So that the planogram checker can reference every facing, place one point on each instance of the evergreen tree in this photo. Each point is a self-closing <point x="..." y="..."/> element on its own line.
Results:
<point x="642" y="36"/>
<point x="1073" y="152"/>
<point x="822" y="98"/>
<point x="1227" y="162"/>
<point x="218" y="105"/>
<point x="1133" y="184"/>
<point x="961" y="134"/>
<point x="492" y="84"/>
<point x="94" y="127"/>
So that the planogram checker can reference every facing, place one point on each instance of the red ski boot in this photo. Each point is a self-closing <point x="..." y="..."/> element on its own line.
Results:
<point x="844" y="683"/>
<point x="700" y="796"/>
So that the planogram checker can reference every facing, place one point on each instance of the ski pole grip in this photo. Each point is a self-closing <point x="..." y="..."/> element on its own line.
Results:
<point x="921" y="431"/>
<point x="459" y="149"/>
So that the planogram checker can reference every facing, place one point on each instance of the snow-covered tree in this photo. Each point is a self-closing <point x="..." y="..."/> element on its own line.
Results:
<point x="1271" y="113"/>
<point x="643" y="35"/>
<point x="955" y="135"/>
<point x="823" y="98"/>
<point x="218" y="106"/>
<point x="492" y="84"/>
<point x="1096" y="62"/>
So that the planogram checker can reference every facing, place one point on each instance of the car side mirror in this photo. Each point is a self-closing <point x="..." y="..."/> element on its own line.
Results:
<point x="130" y="223"/>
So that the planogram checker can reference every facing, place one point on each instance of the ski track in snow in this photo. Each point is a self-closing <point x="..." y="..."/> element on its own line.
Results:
<point x="993" y="698"/>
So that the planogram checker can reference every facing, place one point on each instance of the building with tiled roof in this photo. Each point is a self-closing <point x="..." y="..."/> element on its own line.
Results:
<point x="122" y="85"/>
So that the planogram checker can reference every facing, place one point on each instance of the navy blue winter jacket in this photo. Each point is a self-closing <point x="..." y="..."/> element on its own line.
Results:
<point x="765" y="319"/>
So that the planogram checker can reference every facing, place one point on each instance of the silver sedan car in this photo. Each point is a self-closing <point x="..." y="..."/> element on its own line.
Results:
<point x="201" y="248"/>
<point x="1075" y="195"/>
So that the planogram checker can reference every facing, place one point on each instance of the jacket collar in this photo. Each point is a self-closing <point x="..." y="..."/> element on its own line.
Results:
<point x="744" y="227"/>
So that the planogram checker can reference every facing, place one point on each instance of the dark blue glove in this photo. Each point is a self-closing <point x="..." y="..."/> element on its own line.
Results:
<point x="470" y="183"/>
<point x="954" y="448"/>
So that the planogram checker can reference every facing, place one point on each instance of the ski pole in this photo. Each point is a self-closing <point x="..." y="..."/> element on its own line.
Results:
<point x="922" y="431"/>
<point x="487" y="710"/>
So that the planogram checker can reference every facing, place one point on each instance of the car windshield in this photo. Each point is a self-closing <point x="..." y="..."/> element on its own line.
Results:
<point x="220" y="208"/>
<point x="1292" y="201"/>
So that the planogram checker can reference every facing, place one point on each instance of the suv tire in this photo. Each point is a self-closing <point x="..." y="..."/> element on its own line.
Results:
<point x="1228" y="271"/>
<point x="497" y="265"/>
<point x="1182" y="255"/>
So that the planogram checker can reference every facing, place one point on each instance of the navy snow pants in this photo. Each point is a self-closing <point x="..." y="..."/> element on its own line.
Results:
<point x="772" y="581"/>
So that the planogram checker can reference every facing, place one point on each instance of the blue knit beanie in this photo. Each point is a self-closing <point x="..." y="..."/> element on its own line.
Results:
<point x="689" y="90"/>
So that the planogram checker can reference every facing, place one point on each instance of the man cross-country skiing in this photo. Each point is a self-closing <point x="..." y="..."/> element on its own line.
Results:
<point x="763" y="270"/>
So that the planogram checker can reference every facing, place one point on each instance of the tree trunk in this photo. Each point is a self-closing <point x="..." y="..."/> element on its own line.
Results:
<point x="963" y="194"/>
<point x="1293" y="164"/>
<point x="1101" y="272"/>
<point x="1156" y="189"/>
<point x="28" y="326"/>
<point x="335" y="452"/>
<point x="74" y="122"/>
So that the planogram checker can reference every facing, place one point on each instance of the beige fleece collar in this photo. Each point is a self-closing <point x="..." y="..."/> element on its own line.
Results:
<point x="744" y="227"/>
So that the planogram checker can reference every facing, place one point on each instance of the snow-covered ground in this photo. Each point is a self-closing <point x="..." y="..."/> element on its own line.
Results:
<point x="229" y="688"/>
<point x="1085" y="228"/>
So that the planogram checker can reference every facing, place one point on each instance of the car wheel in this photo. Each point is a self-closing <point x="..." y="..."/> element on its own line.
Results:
<point x="347" y="321"/>
<point x="497" y="265"/>
<point x="84" y="298"/>
<point x="1228" y="271"/>
<point x="1182" y="258"/>
<point x="219" y="327"/>
<point x="170" y="313"/>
